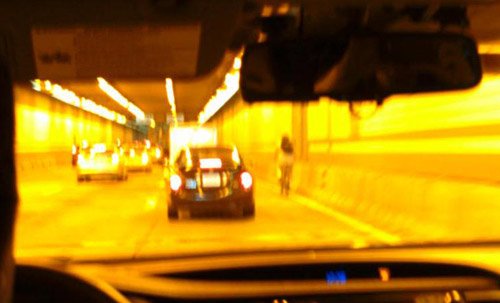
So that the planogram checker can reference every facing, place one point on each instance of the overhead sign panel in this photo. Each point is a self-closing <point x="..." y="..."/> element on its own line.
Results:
<point x="117" y="52"/>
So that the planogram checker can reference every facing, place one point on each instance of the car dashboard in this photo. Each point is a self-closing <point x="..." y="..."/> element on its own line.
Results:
<point x="307" y="276"/>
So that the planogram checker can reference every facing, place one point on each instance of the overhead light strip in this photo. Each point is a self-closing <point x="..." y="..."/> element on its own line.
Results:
<point x="69" y="97"/>
<point x="224" y="93"/>
<point x="114" y="94"/>
<point x="169" y="86"/>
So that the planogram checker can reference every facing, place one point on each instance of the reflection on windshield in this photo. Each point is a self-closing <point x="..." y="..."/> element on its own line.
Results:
<point x="399" y="64"/>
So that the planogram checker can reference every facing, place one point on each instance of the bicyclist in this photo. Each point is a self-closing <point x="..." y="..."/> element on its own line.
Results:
<point x="285" y="162"/>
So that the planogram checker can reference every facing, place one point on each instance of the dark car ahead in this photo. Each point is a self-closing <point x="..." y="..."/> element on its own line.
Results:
<point x="210" y="180"/>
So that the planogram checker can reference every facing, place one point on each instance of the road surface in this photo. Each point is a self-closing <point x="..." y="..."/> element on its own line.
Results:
<point x="61" y="217"/>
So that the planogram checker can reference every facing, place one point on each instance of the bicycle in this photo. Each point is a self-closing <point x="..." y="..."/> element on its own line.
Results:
<point x="286" y="174"/>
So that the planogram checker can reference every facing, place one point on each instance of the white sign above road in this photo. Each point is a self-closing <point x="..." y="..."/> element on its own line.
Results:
<point x="116" y="52"/>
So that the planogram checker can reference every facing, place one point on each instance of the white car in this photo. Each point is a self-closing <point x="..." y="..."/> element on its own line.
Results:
<point x="138" y="159"/>
<point x="101" y="162"/>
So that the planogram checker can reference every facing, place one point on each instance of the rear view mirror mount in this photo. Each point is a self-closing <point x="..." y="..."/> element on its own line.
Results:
<point x="369" y="66"/>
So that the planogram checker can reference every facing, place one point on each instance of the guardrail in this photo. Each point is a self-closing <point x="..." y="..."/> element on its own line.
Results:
<point x="26" y="162"/>
<point x="410" y="205"/>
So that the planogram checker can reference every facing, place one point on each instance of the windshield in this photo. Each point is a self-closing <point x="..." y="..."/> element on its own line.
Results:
<point x="157" y="84"/>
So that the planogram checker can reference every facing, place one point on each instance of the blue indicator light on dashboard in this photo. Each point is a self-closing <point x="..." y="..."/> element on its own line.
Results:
<point x="336" y="277"/>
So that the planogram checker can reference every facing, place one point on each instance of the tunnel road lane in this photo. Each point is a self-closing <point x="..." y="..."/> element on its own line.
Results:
<point x="60" y="217"/>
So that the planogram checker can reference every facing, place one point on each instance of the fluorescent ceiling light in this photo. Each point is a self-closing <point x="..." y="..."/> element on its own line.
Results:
<point x="222" y="95"/>
<point x="69" y="97"/>
<point x="169" y="86"/>
<point x="120" y="99"/>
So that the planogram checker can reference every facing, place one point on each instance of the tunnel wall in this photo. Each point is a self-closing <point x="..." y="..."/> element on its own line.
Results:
<point x="431" y="160"/>
<point x="46" y="129"/>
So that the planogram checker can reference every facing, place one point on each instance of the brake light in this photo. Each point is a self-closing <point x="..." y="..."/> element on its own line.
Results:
<point x="158" y="153"/>
<point x="175" y="182"/>
<point x="99" y="148"/>
<point x="145" y="158"/>
<point x="246" y="180"/>
<point x="115" y="159"/>
<point x="210" y="163"/>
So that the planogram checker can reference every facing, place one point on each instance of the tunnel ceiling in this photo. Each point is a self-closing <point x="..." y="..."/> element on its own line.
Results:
<point x="193" y="93"/>
<point x="150" y="95"/>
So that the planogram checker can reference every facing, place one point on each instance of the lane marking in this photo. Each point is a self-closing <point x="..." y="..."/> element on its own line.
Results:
<point x="357" y="224"/>
<point x="92" y="244"/>
<point x="348" y="220"/>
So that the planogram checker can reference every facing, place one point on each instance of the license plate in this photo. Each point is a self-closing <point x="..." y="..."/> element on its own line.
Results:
<point x="191" y="184"/>
<point x="211" y="180"/>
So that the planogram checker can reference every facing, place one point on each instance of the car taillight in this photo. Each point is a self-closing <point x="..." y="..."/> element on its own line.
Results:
<point x="246" y="180"/>
<point x="175" y="182"/>
<point x="115" y="159"/>
<point x="145" y="158"/>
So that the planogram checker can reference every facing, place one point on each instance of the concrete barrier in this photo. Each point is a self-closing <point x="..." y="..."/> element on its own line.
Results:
<point x="26" y="162"/>
<point x="412" y="206"/>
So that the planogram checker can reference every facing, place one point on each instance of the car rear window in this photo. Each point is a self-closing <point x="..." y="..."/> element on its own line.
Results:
<point x="224" y="154"/>
<point x="97" y="155"/>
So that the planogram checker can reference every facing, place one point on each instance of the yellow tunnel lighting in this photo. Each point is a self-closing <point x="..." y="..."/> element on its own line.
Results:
<point x="237" y="63"/>
<point x="120" y="99"/>
<point x="47" y="85"/>
<point x="385" y="274"/>
<point x="202" y="136"/>
<point x="85" y="144"/>
<point x="284" y="8"/>
<point x="37" y="85"/>
<point x="112" y="92"/>
<point x="189" y="159"/>
<point x="236" y="156"/>
<point x="65" y="95"/>
<point x="169" y="86"/>
<point x="221" y="97"/>
<point x="120" y="119"/>
<point x="492" y="48"/>
<point x="69" y="97"/>
<point x="267" y="11"/>
<point x="224" y="93"/>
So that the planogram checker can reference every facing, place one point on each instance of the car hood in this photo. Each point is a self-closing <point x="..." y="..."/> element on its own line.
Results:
<point x="483" y="254"/>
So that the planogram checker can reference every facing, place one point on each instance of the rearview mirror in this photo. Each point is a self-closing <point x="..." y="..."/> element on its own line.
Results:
<point x="364" y="67"/>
